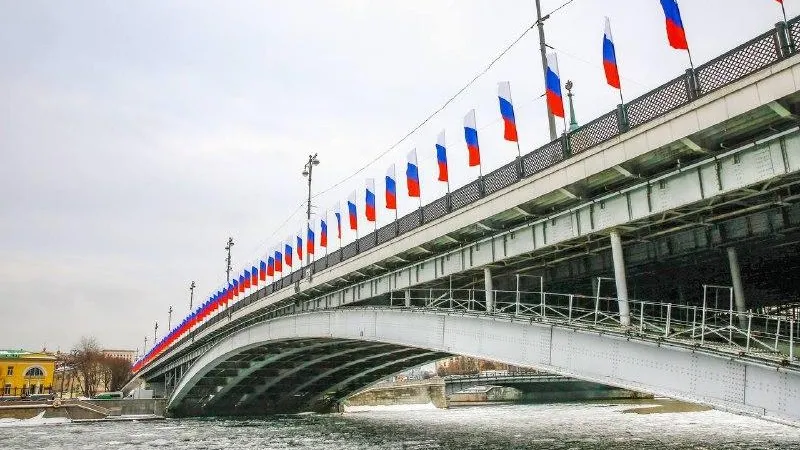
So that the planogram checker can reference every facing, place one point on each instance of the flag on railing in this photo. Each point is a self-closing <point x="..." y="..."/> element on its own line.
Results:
<point x="352" y="212"/>
<point x="271" y="266"/>
<point x="254" y="276"/>
<point x="287" y="251"/>
<point x="262" y="273"/>
<point x="391" y="188"/>
<point x="235" y="287"/>
<point x="369" y="200"/>
<point x="412" y="174"/>
<point x="610" y="58"/>
<point x="507" y="111"/>
<point x="553" y="87"/>
<point x="310" y="240"/>
<point x="278" y="261"/>
<point x="299" y="247"/>
<point x="246" y="279"/>
<point x="338" y="213"/>
<point x="676" y="34"/>
<point x="441" y="157"/>
<point x="471" y="136"/>
<point x="323" y="230"/>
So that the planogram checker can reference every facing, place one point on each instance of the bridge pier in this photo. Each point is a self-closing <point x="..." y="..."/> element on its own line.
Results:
<point x="488" y="288"/>
<point x="738" y="287"/>
<point x="620" y="278"/>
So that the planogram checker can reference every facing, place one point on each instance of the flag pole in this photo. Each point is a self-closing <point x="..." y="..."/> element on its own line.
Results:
<point x="519" y="151"/>
<point x="785" y="20"/>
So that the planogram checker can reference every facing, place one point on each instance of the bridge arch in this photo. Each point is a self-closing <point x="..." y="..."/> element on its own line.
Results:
<point x="297" y="357"/>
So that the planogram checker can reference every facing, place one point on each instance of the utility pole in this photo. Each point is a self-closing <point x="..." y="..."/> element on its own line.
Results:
<point x="307" y="172"/>
<point x="169" y="318"/>
<point x="228" y="260"/>
<point x="543" y="49"/>
<point x="191" y="294"/>
<point x="155" y="333"/>
<point x="145" y="347"/>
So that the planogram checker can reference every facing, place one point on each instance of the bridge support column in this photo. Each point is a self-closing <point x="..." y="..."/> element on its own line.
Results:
<point x="620" y="279"/>
<point x="489" y="288"/>
<point x="738" y="287"/>
<point x="408" y="298"/>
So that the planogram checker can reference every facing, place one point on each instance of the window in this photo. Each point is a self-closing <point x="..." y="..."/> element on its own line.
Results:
<point x="7" y="389"/>
<point x="34" y="372"/>
<point x="10" y="371"/>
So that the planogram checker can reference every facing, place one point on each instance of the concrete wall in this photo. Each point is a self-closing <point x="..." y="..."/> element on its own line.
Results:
<point x="404" y="394"/>
<point x="73" y="412"/>
<point x="129" y="407"/>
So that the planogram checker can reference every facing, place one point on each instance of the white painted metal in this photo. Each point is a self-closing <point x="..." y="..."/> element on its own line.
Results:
<point x="620" y="278"/>
<point x="683" y="372"/>
<point x="738" y="289"/>
<point x="488" y="289"/>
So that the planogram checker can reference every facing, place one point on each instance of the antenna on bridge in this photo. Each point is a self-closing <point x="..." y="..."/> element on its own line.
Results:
<point x="228" y="260"/>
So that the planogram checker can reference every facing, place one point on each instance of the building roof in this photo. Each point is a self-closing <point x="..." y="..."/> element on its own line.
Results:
<point x="24" y="354"/>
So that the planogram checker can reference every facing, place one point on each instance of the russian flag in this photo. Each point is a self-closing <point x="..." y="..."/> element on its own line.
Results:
<point x="299" y="247"/>
<point x="323" y="230"/>
<point x="247" y="278"/>
<point x="412" y="174"/>
<point x="338" y="213"/>
<point x="288" y="251"/>
<point x="254" y="275"/>
<point x="369" y="200"/>
<point x="507" y="111"/>
<point x="553" y="87"/>
<point x="271" y="266"/>
<point x="263" y="272"/>
<point x="676" y="34"/>
<point x="351" y="210"/>
<point x="441" y="157"/>
<point x="391" y="188"/>
<point x="235" y="290"/>
<point x="310" y="241"/>
<point x="610" y="58"/>
<point x="471" y="136"/>
<point x="278" y="261"/>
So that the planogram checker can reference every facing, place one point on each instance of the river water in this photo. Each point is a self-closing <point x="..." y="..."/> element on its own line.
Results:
<point x="561" y="426"/>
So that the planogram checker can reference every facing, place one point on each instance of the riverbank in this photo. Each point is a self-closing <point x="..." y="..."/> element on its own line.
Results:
<point x="84" y="410"/>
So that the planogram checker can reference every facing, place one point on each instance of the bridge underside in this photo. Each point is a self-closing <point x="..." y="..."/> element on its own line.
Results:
<point x="296" y="375"/>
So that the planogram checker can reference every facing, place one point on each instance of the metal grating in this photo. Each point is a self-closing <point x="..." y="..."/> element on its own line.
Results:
<point x="595" y="132"/>
<point x="335" y="258"/>
<point x="349" y="250"/>
<point x="387" y="233"/>
<point x="434" y="210"/>
<point x="794" y="31"/>
<point x="658" y="102"/>
<point x="502" y="177"/>
<point x="542" y="158"/>
<point x="319" y="265"/>
<point x="409" y="222"/>
<point x="367" y="242"/>
<point x="739" y="62"/>
<point x="297" y="275"/>
<point x="465" y="195"/>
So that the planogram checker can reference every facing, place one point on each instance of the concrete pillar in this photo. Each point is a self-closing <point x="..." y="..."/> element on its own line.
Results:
<point x="408" y="298"/>
<point x="738" y="288"/>
<point x="489" y="288"/>
<point x="620" y="279"/>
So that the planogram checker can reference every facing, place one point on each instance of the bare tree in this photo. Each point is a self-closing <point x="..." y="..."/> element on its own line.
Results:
<point x="85" y="359"/>
<point x="119" y="372"/>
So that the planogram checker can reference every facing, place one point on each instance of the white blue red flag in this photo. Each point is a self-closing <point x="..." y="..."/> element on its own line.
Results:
<point x="471" y="136"/>
<point x="555" y="100"/>
<point x="507" y="111"/>
<point x="610" y="58"/>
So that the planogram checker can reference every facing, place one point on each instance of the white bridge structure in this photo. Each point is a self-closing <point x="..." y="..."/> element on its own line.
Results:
<point x="654" y="249"/>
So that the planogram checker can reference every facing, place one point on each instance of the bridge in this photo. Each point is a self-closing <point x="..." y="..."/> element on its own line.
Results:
<point x="654" y="248"/>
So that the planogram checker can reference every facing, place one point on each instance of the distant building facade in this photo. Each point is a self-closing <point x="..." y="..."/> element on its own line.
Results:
<point x="26" y="373"/>
<point x="127" y="355"/>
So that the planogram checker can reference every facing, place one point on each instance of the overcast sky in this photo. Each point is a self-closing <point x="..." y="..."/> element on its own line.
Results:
<point x="137" y="136"/>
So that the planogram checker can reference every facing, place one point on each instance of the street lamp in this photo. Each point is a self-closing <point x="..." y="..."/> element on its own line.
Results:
<point x="191" y="295"/>
<point x="307" y="172"/>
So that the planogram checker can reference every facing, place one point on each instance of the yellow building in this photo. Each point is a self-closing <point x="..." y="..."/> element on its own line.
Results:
<point x="25" y="373"/>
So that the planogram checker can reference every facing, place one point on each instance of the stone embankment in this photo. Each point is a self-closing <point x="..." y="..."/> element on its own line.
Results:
<point x="77" y="410"/>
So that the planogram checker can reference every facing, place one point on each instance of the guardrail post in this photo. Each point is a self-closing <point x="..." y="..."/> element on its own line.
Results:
<point x="641" y="317"/>
<point x="622" y="118"/>
<point x="569" y="314"/>
<point x="517" y="305"/>
<point x="566" y="148"/>
<point x="749" y="327"/>
<point x="669" y="319"/>
<point x="596" y="308"/>
<point x="703" y="319"/>
<point x="785" y="41"/>
<point x="791" y="340"/>
<point x="777" y="333"/>
<point x="692" y="85"/>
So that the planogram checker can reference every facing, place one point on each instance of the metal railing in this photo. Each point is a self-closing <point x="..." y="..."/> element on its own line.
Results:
<point x="766" y="336"/>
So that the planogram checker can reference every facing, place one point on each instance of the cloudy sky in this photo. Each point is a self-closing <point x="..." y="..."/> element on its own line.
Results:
<point x="135" y="137"/>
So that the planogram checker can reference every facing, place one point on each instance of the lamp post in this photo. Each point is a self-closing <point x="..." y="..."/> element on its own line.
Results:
<point x="169" y="318"/>
<point x="307" y="172"/>
<point x="551" y="121"/>
<point x="228" y="260"/>
<point x="191" y="295"/>
<point x="155" y="333"/>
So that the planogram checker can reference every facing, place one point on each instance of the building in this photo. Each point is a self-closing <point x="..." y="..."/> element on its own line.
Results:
<point x="127" y="355"/>
<point x="26" y="373"/>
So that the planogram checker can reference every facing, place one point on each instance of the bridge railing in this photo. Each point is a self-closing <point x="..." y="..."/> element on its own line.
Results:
<point x="764" y="335"/>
